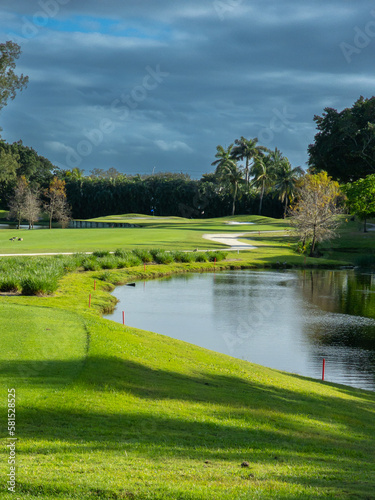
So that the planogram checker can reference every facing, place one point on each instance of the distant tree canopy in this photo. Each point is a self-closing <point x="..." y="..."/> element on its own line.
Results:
<point x="162" y="194"/>
<point x="361" y="197"/>
<point x="17" y="160"/>
<point x="344" y="147"/>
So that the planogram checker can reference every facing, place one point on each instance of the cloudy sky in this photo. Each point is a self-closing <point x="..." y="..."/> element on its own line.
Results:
<point x="156" y="85"/>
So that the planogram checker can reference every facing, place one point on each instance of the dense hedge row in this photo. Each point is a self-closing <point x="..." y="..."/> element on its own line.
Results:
<point x="163" y="196"/>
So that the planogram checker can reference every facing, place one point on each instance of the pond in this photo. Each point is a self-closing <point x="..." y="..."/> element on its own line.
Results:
<point x="287" y="320"/>
<point x="22" y="226"/>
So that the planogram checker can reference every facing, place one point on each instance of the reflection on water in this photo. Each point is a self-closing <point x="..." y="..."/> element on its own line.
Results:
<point x="22" y="226"/>
<point x="285" y="320"/>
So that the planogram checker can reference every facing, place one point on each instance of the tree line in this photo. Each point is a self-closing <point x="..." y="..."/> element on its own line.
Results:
<point x="248" y="177"/>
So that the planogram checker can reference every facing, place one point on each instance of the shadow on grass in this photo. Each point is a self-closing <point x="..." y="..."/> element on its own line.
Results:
<point x="120" y="406"/>
<point x="40" y="373"/>
<point x="102" y="376"/>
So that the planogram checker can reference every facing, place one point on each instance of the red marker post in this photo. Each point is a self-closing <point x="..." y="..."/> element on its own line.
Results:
<point x="324" y="368"/>
<point x="123" y="317"/>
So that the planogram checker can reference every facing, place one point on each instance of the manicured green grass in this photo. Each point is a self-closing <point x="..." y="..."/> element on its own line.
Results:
<point x="165" y="233"/>
<point x="111" y="412"/>
<point x="353" y="245"/>
<point x="106" y="411"/>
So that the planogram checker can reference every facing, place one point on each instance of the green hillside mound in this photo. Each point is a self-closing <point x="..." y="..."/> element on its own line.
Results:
<point x="144" y="416"/>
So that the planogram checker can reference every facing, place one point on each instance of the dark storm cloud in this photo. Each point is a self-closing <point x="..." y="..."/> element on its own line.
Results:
<point x="138" y="85"/>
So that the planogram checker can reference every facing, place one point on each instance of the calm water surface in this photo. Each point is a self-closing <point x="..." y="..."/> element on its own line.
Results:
<point x="288" y="320"/>
<point x="22" y="226"/>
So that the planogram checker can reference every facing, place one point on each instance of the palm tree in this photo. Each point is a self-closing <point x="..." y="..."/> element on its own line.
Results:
<point x="224" y="158"/>
<point x="264" y="176"/>
<point x="277" y="159"/>
<point x="247" y="149"/>
<point x="286" y="182"/>
<point x="233" y="175"/>
<point x="228" y="171"/>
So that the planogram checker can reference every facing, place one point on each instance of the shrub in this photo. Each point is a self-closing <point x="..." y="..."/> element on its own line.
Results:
<point x="144" y="255"/>
<point x="91" y="265"/>
<point x="186" y="257"/>
<point x="101" y="253"/>
<point x="218" y="255"/>
<point x="105" y="276"/>
<point x="109" y="262"/>
<point x="178" y="256"/>
<point x="73" y="262"/>
<point x="121" y="253"/>
<point x="201" y="257"/>
<point x="39" y="284"/>
<point x="154" y="252"/>
<point x="163" y="257"/>
<point x="9" y="283"/>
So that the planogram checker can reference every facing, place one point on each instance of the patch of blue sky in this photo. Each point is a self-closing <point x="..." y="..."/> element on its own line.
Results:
<point x="114" y="27"/>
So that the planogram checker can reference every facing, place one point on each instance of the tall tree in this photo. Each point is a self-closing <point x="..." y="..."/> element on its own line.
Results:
<point x="232" y="175"/>
<point x="32" y="207"/>
<point x="314" y="217"/>
<point x="17" y="203"/>
<point x="344" y="146"/>
<point x="224" y="157"/>
<point x="57" y="206"/>
<point x="9" y="81"/>
<point x="286" y="182"/>
<point x="248" y="150"/>
<point x="361" y="198"/>
<point x="227" y="171"/>
<point x="263" y="174"/>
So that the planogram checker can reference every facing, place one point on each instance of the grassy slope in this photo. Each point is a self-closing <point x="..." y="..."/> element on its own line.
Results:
<point x="138" y="414"/>
<point x="144" y="412"/>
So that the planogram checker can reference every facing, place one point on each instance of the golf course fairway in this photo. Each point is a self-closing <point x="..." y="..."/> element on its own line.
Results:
<point x="105" y="411"/>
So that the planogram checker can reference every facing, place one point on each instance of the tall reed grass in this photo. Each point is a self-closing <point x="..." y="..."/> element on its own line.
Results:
<point x="41" y="275"/>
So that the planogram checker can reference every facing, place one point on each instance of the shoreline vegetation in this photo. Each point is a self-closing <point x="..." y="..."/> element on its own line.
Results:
<point x="108" y="411"/>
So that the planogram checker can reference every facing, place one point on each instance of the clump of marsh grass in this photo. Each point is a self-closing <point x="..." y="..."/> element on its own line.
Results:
<point x="144" y="255"/>
<point x="218" y="255"/>
<point x="163" y="257"/>
<point x="101" y="253"/>
<point x="185" y="257"/>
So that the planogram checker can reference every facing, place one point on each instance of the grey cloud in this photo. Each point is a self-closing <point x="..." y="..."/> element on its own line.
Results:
<point x="227" y="77"/>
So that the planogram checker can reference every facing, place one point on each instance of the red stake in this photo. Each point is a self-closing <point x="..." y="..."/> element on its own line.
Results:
<point x="90" y="300"/>
<point x="324" y="367"/>
<point x="123" y="317"/>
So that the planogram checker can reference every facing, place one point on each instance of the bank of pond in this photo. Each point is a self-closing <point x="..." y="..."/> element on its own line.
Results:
<point x="288" y="320"/>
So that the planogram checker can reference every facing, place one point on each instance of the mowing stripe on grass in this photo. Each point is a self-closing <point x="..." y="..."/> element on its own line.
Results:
<point x="40" y="346"/>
